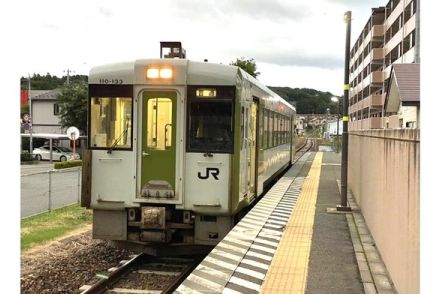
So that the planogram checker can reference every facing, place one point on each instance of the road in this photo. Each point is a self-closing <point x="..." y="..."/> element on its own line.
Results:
<point x="41" y="166"/>
<point x="43" y="188"/>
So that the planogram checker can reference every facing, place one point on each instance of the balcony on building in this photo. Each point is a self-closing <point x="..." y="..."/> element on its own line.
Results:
<point x="377" y="54"/>
<point x="378" y="31"/>
<point x="374" y="101"/>
<point x="376" y="77"/>
<point x="377" y="100"/>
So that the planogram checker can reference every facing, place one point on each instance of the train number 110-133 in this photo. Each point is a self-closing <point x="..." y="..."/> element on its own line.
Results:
<point x="111" y="81"/>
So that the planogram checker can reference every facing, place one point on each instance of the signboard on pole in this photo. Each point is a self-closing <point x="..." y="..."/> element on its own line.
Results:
<point x="73" y="134"/>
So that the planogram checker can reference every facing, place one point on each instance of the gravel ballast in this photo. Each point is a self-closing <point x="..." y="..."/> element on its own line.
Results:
<point x="66" y="265"/>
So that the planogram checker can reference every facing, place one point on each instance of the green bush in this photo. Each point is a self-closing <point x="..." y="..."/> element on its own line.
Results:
<point x="26" y="156"/>
<point x="67" y="164"/>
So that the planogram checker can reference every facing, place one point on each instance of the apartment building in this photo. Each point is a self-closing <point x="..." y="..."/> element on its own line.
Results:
<point x="388" y="37"/>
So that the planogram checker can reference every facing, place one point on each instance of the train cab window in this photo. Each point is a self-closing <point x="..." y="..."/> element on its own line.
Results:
<point x="110" y="122"/>
<point x="210" y="121"/>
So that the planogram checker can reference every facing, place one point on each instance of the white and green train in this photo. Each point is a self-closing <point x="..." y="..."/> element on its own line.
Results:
<point x="177" y="149"/>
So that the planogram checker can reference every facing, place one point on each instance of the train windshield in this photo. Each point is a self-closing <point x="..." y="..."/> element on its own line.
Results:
<point x="110" y="122"/>
<point x="210" y="126"/>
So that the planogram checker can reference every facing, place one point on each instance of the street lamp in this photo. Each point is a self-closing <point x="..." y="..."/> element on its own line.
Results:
<point x="336" y="100"/>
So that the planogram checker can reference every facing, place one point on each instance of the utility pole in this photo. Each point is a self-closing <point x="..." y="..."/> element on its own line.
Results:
<point x="30" y="115"/>
<point x="336" y="99"/>
<point x="344" y="159"/>
<point x="68" y="75"/>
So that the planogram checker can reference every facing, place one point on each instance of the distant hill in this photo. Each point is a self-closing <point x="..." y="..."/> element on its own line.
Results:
<point x="48" y="81"/>
<point x="308" y="101"/>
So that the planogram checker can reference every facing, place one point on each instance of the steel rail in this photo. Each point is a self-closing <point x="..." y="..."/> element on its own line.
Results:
<point x="105" y="284"/>
<point x="179" y="279"/>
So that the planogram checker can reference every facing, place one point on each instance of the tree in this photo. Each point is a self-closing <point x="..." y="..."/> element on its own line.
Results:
<point x="248" y="65"/>
<point x="73" y="105"/>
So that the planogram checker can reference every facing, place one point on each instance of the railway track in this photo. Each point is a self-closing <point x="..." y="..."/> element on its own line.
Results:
<point x="303" y="148"/>
<point x="144" y="274"/>
<point x="130" y="275"/>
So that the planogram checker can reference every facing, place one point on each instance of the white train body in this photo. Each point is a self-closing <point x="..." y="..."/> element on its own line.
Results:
<point x="176" y="149"/>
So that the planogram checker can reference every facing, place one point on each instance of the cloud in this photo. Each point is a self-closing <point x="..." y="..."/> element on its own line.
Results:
<point x="295" y="57"/>
<point x="357" y="4"/>
<point x="276" y="10"/>
<point x="105" y="11"/>
<point x="50" y="26"/>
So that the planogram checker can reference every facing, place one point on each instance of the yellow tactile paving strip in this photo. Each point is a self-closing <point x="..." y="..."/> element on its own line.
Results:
<point x="289" y="267"/>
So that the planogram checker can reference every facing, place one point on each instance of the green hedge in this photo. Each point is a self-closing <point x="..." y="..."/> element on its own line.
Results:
<point x="26" y="156"/>
<point x="67" y="164"/>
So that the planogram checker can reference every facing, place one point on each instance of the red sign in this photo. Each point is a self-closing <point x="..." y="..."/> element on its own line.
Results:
<point x="24" y="97"/>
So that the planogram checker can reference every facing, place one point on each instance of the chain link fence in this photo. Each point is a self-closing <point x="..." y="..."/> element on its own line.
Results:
<point x="44" y="191"/>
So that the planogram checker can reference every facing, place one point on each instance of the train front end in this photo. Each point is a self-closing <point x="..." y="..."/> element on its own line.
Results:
<point x="160" y="146"/>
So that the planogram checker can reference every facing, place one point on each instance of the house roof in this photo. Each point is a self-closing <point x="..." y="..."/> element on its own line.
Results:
<point x="404" y="86"/>
<point x="45" y="94"/>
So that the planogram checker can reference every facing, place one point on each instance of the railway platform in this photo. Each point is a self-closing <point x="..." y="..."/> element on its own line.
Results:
<point x="293" y="241"/>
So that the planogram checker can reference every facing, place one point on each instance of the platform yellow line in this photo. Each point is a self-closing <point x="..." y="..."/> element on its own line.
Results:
<point x="289" y="267"/>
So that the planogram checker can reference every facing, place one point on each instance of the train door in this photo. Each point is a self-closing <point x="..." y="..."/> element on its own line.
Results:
<point x="158" y="164"/>
<point x="252" y="151"/>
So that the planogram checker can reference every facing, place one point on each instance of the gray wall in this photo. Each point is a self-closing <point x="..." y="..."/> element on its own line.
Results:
<point x="42" y="112"/>
<point x="384" y="176"/>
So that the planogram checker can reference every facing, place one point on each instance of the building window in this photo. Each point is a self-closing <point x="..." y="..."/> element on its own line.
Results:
<point x="412" y="41"/>
<point x="56" y="109"/>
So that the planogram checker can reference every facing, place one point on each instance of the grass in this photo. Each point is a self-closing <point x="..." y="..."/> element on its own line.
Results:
<point x="48" y="226"/>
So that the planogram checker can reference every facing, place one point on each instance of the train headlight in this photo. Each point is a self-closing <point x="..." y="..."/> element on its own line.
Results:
<point x="163" y="73"/>
<point x="166" y="73"/>
<point x="152" y="73"/>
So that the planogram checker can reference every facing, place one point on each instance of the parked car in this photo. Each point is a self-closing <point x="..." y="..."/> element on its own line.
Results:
<point x="58" y="153"/>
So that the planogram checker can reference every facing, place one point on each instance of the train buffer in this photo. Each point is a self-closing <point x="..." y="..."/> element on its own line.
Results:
<point x="292" y="241"/>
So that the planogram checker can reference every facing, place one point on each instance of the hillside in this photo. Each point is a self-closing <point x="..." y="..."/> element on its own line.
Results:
<point x="308" y="101"/>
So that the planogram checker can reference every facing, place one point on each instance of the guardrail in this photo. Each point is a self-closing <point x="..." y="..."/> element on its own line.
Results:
<point x="44" y="191"/>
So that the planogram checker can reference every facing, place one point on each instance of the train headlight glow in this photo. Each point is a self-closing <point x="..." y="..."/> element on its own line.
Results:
<point x="152" y="73"/>
<point x="163" y="73"/>
<point x="166" y="73"/>
<point x="203" y="92"/>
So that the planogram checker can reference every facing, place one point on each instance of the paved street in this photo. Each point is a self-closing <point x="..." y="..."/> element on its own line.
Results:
<point x="38" y="196"/>
<point x="41" y="166"/>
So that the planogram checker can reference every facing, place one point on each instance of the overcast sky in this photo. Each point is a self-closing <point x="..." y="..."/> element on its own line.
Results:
<point x="295" y="43"/>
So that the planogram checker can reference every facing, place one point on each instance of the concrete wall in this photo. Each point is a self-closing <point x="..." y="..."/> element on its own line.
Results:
<point x="43" y="112"/>
<point x="384" y="176"/>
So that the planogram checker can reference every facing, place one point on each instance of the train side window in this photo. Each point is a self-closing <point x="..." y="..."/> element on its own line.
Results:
<point x="247" y="123"/>
<point x="281" y="129"/>
<point x="275" y="131"/>
<point x="285" y="129"/>
<point x="270" y="137"/>
<point x="241" y="128"/>
<point x="265" y="128"/>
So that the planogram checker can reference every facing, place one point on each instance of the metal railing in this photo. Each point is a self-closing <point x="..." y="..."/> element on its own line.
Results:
<point x="44" y="191"/>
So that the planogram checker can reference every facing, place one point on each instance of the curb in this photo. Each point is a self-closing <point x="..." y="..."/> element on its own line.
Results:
<point x="374" y="275"/>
